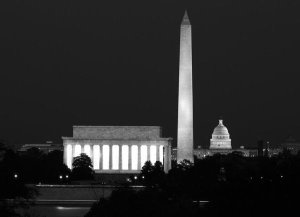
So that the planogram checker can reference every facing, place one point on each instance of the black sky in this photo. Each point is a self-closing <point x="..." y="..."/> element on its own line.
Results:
<point x="74" y="62"/>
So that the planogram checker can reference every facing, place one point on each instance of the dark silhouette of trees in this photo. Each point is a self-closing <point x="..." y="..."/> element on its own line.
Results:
<point x="38" y="167"/>
<point x="13" y="191"/>
<point x="82" y="168"/>
<point x="150" y="202"/>
<point x="233" y="184"/>
<point x="53" y="164"/>
<point x="152" y="175"/>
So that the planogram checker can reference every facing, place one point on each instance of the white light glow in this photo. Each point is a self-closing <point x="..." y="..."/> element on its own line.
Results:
<point x="143" y="155"/>
<point x="96" y="158"/>
<point x="161" y="154"/>
<point x="105" y="157"/>
<point x="77" y="150"/>
<point x="115" y="157"/>
<point x="153" y="154"/>
<point x="125" y="157"/>
<point x="134" y="157"/>
<point x="87" y="150"/>
<point x="69" y="156"/>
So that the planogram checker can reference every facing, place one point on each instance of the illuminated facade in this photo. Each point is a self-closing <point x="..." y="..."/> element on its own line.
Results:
<point x="220" y="143"/>
<point x="185" y="96"/>
<point x="118" y="149"/>
<point x="220" y="137"/>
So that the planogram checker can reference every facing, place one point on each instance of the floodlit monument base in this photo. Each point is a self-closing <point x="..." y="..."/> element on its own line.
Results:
<point x="118" y="149"/>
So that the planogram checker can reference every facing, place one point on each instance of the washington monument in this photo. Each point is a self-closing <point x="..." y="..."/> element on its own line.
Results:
<point x="185" y="141"/>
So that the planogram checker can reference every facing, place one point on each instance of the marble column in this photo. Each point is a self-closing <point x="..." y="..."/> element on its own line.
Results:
<point x="101" y="158"/>
<point x="148" y="152"/>
<point x="73" y="154"/>
<point x="129" y="157"/>
<point x="110" y="157"/>
<point x="139" y="158"/>
<point x="82" y="149"/>
<point x="120" y="157"/>
<point x="65" y="155"/>
<point x="157" y="152"/>
<point x="92" y="153"/>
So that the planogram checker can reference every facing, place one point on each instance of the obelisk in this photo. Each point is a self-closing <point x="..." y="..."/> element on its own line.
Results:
<point x="185" y="141"/>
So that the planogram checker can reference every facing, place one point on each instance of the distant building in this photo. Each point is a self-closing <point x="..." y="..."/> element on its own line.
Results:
<point x="118" y="149"/>
<point x="220" y="138"/>
<point x="220" y="143"/>
<point x="260" y="148"/>
<point x="291" y="144"/>
<point x="44" y="147"/>
<point x="174" y="154"/>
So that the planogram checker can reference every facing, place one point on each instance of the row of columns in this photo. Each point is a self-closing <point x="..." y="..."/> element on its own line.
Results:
<point x="101" y="165"/>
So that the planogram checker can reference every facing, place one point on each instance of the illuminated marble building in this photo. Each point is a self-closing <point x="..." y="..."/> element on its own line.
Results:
<point x="220" y="137"/>
<point x="118" y="149"/>
<point x="220" y="143"/>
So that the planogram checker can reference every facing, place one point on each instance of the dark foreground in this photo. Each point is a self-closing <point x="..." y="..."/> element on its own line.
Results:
<point x="56" y="211"/>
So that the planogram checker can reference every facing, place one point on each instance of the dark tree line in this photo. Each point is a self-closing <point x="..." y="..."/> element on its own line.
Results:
<point x="13" y="191"/>
<point x="34" y="166"/>
<point x="234" y="186"/>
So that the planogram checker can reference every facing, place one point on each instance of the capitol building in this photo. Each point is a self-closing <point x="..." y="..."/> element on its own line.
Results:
<point x="220" y="137"/>
<point x="220" y="143"/>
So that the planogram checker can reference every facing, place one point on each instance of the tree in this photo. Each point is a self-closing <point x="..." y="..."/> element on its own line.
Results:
<point x="55" y="168"/>
<point x="145" y="175"/>
<point x="32" y="165"/>
<point x="82" y="168"/>
<point x="152" y="174"/>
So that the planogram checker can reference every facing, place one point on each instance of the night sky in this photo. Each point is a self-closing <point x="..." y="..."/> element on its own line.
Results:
<point x="74" y="62"/>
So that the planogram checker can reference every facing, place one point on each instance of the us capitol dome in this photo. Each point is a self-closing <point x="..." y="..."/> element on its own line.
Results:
<point x="220" y="137"/>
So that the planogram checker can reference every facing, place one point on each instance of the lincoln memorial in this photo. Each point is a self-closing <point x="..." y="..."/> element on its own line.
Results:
<point x="118" y="149"/>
